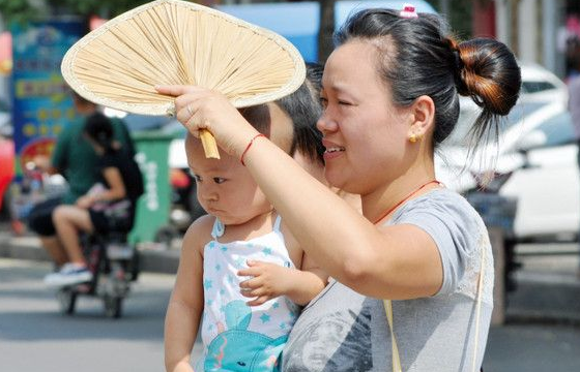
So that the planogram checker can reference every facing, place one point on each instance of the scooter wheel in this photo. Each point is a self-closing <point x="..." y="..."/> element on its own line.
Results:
<point x="165" y="235"/>
<point x="113" y="306"/>
<point x="67" y="299"/>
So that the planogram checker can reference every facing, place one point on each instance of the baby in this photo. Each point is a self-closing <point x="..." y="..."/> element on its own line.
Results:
<point x="240" y="267"/>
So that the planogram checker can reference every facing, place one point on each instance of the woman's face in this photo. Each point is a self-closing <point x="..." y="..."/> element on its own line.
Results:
<point x="365" y="134"/>
<point x="327" y="335"/>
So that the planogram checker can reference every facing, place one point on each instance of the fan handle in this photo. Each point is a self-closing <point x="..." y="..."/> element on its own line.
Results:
<point x="209" y="145"/>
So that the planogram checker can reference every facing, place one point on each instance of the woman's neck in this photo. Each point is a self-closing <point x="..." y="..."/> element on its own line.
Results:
<point x="383" y="202"/>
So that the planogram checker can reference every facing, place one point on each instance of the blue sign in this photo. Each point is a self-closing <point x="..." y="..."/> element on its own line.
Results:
<point x="41" y="103"/>
<point x="343" y="9"/>
<point x="297" y="22"/>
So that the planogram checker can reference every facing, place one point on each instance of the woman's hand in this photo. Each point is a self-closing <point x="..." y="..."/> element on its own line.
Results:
<point x="269" y="281"/>
<point x="199" y="108"/>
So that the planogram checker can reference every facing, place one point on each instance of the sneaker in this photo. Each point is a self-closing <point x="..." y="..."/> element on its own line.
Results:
<point x="69" y="274"/>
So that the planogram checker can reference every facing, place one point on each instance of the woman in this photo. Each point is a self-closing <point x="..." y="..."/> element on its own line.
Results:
<point x="390" y="96"/>
<point x="109" y="206"/>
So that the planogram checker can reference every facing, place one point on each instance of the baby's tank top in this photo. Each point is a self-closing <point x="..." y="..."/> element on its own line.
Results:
<point x="233" y="332"/>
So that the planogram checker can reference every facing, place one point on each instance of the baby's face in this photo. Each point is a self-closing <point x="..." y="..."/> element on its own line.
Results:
<point x="225" y="188"/>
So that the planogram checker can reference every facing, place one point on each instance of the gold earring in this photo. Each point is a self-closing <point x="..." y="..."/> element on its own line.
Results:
<point x="413" y="138"/>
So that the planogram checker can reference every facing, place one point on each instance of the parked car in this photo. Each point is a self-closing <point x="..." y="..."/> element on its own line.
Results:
<point x="536" y="147"/>
<point x="548" y="186"/>
<point x="539" y="83"/>
<point x="463" y="169"/>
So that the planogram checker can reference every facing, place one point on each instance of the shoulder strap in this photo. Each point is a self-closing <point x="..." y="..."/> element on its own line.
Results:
<point x="389" y="313"/>
<point x="277" y="223"/>
<point x="218" y="229"/>
<point x="478" y="310"/>
<point x="395" y="348"/>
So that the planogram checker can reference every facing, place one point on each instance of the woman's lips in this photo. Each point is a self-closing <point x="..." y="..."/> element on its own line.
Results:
<point x="332" y="152"/>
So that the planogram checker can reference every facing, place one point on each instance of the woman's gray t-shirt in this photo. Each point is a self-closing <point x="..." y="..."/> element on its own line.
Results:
<point x="341" y="330"/>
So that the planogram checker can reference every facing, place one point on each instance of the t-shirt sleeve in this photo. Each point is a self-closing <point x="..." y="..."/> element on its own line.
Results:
<point x="455" y="227"/>
<point x="60" y="151"/>
<point x="107" y="161"/>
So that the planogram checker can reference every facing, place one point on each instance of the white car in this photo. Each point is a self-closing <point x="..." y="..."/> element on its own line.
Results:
<point x="548" y="188"/>
<point x="538" y="83"/>
<point x="459" y="165"/>
<point x="536" y="146"/>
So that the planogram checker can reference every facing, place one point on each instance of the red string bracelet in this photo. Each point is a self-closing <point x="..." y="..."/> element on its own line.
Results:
<point x="250" y="145"/>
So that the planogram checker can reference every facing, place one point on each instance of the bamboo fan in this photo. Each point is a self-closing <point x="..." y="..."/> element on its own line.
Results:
<point x="168" y="42"/>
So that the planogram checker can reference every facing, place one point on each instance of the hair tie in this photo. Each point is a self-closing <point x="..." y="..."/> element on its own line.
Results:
<point x="457" y="65"/>
<point x="408" y="11"/>
<point x="459" y="74"/>
<point x="458" y="61"/>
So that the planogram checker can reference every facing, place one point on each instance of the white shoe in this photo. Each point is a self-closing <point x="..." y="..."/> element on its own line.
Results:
<point x="69" y="274"/>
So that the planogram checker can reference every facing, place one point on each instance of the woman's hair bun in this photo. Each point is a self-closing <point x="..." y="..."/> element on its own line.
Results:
<point x="489" y="74"/>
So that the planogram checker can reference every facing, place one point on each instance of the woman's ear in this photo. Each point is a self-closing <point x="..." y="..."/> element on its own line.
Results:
<point x="422" y="117"/>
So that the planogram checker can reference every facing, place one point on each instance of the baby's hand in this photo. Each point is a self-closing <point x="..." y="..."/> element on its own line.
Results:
<point x="269" y="281"/>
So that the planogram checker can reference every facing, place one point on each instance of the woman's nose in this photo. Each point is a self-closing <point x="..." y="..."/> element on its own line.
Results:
<point x="326" y="124"/>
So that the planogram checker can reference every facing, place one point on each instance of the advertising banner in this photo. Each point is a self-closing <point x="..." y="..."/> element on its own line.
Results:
<point x="41" y="104"/>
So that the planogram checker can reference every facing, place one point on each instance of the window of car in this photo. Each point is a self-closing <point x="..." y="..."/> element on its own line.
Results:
<point x="468" y="114"/>
<point x="558" y="130"/>
<point x="537" y="86"/>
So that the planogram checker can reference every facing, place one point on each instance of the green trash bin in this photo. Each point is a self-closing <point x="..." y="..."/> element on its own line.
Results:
<point x="154" y="205"/>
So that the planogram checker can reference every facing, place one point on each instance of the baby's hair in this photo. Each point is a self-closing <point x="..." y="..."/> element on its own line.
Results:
<point x="304" y="109"/>
<point x="417" y="57"/>
<point x="259" y="117"/>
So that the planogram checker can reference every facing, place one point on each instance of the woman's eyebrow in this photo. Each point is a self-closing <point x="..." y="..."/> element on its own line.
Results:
<point x="337" y="88"/>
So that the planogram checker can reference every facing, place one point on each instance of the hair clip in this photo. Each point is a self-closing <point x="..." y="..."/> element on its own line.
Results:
<point x="408" y="11"/>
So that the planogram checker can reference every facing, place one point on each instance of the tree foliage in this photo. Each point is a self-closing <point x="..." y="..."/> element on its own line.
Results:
<point x="29" y="10"/>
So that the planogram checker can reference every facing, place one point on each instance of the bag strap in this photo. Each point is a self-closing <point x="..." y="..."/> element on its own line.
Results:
<point x="389" y="312"/>
<point x="478" y="310"/>
<point x="395" y="348"/>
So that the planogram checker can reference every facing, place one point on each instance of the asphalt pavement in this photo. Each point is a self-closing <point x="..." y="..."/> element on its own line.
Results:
<point x="541" y="331"/>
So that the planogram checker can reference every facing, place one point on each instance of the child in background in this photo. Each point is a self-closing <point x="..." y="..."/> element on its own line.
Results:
<point x="240" y="267"/>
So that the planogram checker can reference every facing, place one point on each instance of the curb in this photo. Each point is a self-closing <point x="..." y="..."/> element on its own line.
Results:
<point x="546" y="298"/>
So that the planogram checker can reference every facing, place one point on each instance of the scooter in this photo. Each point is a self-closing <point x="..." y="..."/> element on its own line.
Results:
<point x="184" y="207"/>
<point x="114" y="264"/>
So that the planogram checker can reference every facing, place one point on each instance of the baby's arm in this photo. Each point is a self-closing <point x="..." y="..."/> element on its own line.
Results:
<point x="270" y="280"/>
<point x="186" y="303"/>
